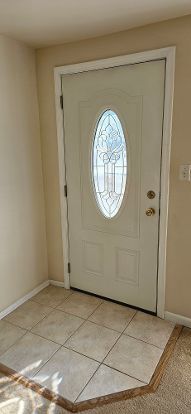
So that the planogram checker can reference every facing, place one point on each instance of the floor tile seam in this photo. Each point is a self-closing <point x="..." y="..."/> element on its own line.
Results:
<point x="42" y="304"/>
<point x="44" y="317"/>
<point x="50" y="306"/>
<point x="112" y="329"/>
<point x="27" y="329"/>
<point x="128" y="375"/>
<point x="18" y="326"/>
<point x="87" y="383"/>
<point x="69" y="314"/>
<point x="44" y="337"/>
<point x="114" y="369"/>
<point x="103" y="362"/>
<point x="145" y="342"/>
<point x="83" y="323"/>
<point x="103" y="326"/>
<point x="91" y="359"/>
<point x="66" y="299"/>
<point x="94" y="372"/>
<point x="117" y="339"/>
<point x="74" y="333"/>
<point x="48" y="360"/>
<point x="73" y="314"/>
<point x="37" y="303"/>
<point x="95" y="323"/>
<point x="47" y="339"/>
<point x="13" y="324"/>
<point x="18" y="339"/>
<point x="80" y="353"/>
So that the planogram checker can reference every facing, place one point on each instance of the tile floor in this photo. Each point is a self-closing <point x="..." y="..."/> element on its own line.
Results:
<point x="80" y="346"/>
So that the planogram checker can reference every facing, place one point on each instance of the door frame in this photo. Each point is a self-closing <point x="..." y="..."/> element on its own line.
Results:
<point x="151" y="55"/>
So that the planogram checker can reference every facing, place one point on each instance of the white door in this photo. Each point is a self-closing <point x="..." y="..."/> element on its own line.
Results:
<point x="113" y="132"/>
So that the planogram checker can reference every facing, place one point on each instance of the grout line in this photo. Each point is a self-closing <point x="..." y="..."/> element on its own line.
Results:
<point x="9" y="347"/>
<point x="65" y="342"/>
<point x="85" y="320"/>
<point x="46" y="362"/>
<point x="128" y="375"/>
<point x="29" y="330"/>
<point x="97" y="306"/>
<point x="62" y="346"/>
<point x="80" y="353"/>
<point x="128" y="393"/>
<point x="53" y="307"/>
<point x="147" y="343"/>
<point x="118" y="338"/>
<point x="102" y="363"/>
<point x="88" y="382"/>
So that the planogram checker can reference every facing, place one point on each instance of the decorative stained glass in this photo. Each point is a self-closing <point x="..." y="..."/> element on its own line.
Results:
<point x="109" y="163"/>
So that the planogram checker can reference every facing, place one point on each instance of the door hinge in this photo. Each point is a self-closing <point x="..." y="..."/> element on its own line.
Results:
<point x="65" y="190"/>
<point x="61" y="101"/>
<point x="69" y="267"/>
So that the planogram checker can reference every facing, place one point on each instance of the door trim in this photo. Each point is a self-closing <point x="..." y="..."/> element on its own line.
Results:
<point x="169" y="55"/>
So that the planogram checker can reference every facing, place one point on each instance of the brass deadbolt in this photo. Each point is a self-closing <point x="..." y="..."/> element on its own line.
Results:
<point x="151" y="194"/>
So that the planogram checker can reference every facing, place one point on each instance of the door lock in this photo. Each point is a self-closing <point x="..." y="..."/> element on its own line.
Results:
<point x="150" y="212"/>
<point x="151" y="194"/>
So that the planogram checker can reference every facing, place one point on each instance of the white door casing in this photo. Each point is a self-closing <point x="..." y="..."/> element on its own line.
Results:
<point x="169" y="55"/>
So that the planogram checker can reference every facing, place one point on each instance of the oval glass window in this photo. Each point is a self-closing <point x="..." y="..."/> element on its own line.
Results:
<point x="109" y="163"/>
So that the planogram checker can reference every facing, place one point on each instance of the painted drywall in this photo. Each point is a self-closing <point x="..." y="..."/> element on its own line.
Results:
<point x="173" y="32"/>
<point x="23" y="255"/>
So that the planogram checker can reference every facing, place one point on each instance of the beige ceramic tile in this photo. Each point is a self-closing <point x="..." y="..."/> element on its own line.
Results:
<point x="28" y="314"/>
<point x="52" y="296"/>
<point x="93" y="341"/>
<point x="107" y="381"/>
<point x="58" y="326"/>
<point x="80" y="304"/>
<point x="112" y="316"/>
<point x="9" y="334"/>
<point x="150" y="329"/>
<point x="134" y="358"/>
<point x="66" y="373"/>
<point x="28" y="354"/>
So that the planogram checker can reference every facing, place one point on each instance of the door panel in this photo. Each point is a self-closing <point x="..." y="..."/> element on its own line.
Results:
<point x="115" y="257"/>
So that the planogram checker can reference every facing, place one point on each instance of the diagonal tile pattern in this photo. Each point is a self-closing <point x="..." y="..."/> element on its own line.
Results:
<point x="28" y="314"/>
<point x="67" y="373"/>
<point x="134" y="358"/>
<point x="107" y="381"/>
<point x="52" y="296"/>
<point x="80" y="305"/>
<point x="150" y="329"/>
<point x="29" y="354"/>
<point x="58" y="326"/>
<point x="80" y="346"/>
<point x="93" y="341"/>
<point x="9" y="334"/>
<point x="112" y="316"/>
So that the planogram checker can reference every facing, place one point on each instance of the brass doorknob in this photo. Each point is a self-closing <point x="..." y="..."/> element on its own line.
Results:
<point x="150" y="212"/>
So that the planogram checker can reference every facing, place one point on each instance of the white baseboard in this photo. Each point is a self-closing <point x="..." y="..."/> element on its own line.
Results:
<point x="28" y="296"/>
<point x="179" y="319"/>
<point x="56" y="283"/>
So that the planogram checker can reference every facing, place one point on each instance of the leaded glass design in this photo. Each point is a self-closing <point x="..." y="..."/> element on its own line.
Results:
<point x="109" y="163"/>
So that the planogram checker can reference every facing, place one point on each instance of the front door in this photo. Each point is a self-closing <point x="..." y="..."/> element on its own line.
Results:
<point x="113" y="122"/>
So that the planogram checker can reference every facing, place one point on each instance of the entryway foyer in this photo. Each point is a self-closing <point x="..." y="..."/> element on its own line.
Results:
<point x="83" y="349"/>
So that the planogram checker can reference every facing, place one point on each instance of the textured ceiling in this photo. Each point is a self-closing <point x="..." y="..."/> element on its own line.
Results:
<point x="49" y="22"/>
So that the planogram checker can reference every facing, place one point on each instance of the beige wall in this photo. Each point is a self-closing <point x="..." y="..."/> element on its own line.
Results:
<point x="175" y="32"/>
<point x="23" y="258"/>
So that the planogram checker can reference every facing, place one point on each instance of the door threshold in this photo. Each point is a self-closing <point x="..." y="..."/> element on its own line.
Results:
<point x="114" y="301"/>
